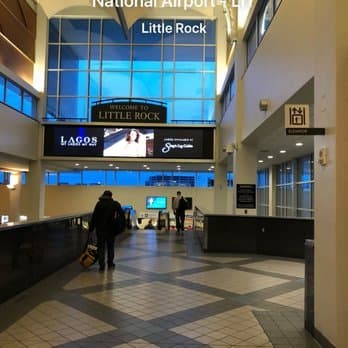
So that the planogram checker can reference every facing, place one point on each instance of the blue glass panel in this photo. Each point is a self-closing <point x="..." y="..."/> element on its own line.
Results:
<point x="51" y="178"/>
<point x="170" y="109"/>
<point x="73" y="83"/>
<point x="127" y="178"/>
<point x="2" y="88"/>
<point x="53" y="56"/>
<point x="168" y="58"/>
<point x="210" y="61"/>
<point x="95" y="30"/>
<point x="89" y="106"/>
<point x="167" y="85"/>
<point x="210" y="36"/>
<point x="69" y="178"/>
<point x="209" y="85"/>
<point x="1" y="177"/>
<point x="23" y="178"/>
<point x="189" y="58"/>
<point x="54" y="30"/>
<point x="110" y="177"/>
<point x="73" y="108"/>
<point x="51" y="108"/>
<point x="188" y="110"/>
<point x="150" y="178"/>
<point x="146" y="85"/>
<point x="94" y="57"/>
<point x="115" y="84"/>
<point x="28" y="104"/>
<point x="209" y="110"/>
<point x="188" y="85"/>
<point x="93" y="177"/>
<point x="74" y="30"/>
<point x="202" y="179"/>
<point x="116" y="57"/>
<point x="183" y="34"/>
<point x="74" y="57"/>
<point x="147" y="57"/>
<point x="168" y="38"/>
<point x="142" y="31"/>
<point x="94" y="84"/>
<point x="112" y="32"/>
<point x="13" y="95"/>
<point x="52" y="77"/>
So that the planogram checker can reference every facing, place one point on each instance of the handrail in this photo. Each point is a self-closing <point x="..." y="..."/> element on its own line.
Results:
<point x="15" y="225"/>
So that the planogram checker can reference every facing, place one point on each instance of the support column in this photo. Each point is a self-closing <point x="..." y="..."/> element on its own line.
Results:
<point x="220" y="189"/>
<point x="36" y="189"/>
<point x="245" y="168"/>
<point x="331" y="180"/>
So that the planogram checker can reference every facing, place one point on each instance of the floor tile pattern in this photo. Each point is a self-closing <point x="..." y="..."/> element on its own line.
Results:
<point x="165" y="292"/>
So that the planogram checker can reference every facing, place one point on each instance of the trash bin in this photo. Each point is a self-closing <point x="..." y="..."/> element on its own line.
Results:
<point x="309" y="286"/>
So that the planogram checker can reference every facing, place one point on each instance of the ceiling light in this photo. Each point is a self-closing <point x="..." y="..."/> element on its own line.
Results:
<point x="117" y="167"/>
<point x="178" y="166"/>
<point x="147" y="168"/>
<point x="77" y="164"/>
<point x="270" y="156"/>
<point x="145" y="165"/>
<point x="282" y="151"/>
<point x="212" y="167"/>
<point x="85" y="167"/>
<point x="260" y="161"/>
<point x="299" y="144"/>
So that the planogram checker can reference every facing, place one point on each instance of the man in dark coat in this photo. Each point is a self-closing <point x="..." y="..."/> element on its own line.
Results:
<point x="103" y="220"/>
<point x="179" y="207"/>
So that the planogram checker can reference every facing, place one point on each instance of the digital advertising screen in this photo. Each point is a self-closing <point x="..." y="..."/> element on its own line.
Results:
<point x="125" y="142"/>
<point x="156" y="202"/>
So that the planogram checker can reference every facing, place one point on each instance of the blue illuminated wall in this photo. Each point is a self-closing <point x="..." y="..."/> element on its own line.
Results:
<point x="90" y="59"/>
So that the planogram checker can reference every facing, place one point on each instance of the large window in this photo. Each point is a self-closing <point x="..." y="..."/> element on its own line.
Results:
<point x="263" y="192"/>
<point x="258" y="26"/>
<point x="17" y="97"/>
<point x="295" y="188"/>
<point x="130" y="178"/>
<point x="90" y="59"/>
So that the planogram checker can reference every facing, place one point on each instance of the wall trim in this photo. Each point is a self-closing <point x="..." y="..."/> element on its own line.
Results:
<point x="324" y="342"/>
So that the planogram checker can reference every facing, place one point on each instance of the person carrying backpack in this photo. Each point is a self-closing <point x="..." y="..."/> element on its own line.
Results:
<point x="179" y="207"/>
<point x="107" y="220"/>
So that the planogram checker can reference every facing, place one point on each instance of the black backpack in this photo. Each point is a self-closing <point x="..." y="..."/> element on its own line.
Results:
<point x="119" y="220"/>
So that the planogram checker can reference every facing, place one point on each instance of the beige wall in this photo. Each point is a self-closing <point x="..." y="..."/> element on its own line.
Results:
<point x="282" y="63"/>
<point x="18" y="134"/>
<point x="62" y="200"/>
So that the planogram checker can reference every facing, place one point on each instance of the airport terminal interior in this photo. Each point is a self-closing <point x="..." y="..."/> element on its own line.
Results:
<point x="238" y="104"/>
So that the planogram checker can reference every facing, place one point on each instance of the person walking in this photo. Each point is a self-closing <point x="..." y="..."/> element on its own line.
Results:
<point x="104" y="221"/>
<point x="179" y="207"/>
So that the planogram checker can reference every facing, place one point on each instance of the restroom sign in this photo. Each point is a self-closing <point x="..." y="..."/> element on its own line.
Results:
<point x="296" y="115"/>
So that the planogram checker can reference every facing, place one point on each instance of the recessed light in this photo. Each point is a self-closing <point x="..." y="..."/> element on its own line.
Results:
<point x="270" y="156"/>
<point x="117" y="167"/>
<point x="282" y="151"/>
<point x="85" y="167"/>
<point x="288" y="168"/>
<point x="147" y="168"/>
<point x="145" y="165"/>
<point x="77" y="164"/>
<point x="178" y="168"/>
<point x="260" y="161"/>
<point x="111" y="165"/>
<point x="299" y="144"/>
<point x="212" y="167"/>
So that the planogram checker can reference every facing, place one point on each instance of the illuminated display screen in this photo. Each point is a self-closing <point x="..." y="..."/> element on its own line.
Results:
<point x="98" y="141"/>
<point x="156" y="202"/>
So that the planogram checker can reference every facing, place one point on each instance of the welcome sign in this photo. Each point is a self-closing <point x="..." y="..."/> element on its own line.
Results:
<point x="129" y="111"/>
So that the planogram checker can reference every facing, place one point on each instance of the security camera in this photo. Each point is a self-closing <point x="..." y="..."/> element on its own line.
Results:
<point x="264" y="104"/>
<point x="229" y="148"/>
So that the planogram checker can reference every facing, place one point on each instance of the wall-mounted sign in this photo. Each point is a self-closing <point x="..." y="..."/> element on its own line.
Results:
<point x="246" y="196"/>
<point x="154" y="142"/>
<point x="129" y="111"/>
<point x="305" y="131"/>
<point x="296" y="115"/>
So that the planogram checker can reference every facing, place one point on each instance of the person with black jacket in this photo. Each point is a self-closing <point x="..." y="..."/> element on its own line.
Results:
<point x="104" y="220"/>
<point x="179" y="207"/>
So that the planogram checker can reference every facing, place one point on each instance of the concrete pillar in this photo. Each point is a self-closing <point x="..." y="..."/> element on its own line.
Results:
<point x="36" y="189"/>
<point x="331" y="180"/>
<point x="220" y="189"/>
<point x="245" y="169"/>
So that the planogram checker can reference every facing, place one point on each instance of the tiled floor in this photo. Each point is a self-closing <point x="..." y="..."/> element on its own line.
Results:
<point x="164" y="292"/>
